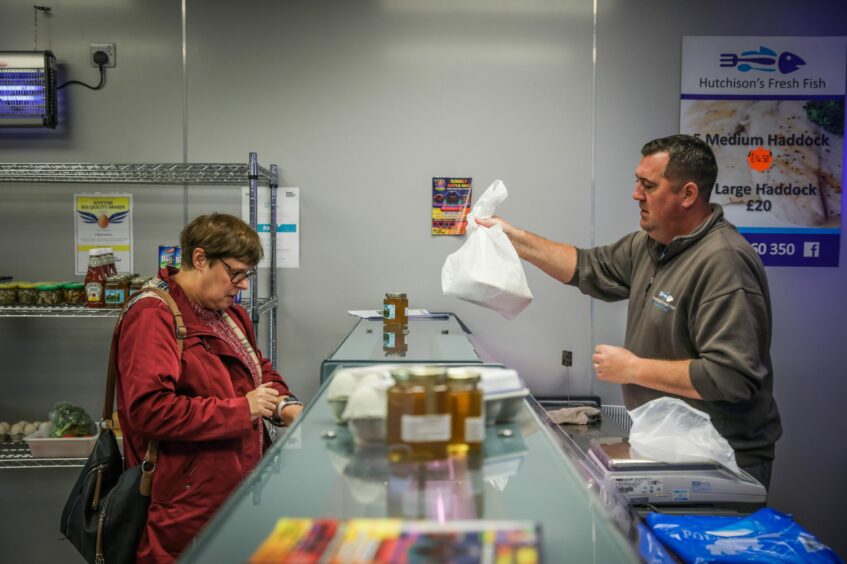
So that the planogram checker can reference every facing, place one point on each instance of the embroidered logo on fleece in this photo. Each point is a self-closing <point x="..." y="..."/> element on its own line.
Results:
<point x="664" y="301"/>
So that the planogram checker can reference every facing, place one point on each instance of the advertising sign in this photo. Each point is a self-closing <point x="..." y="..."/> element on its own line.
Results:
<point x="451" y="204"/>
<point x="772" y="109"/>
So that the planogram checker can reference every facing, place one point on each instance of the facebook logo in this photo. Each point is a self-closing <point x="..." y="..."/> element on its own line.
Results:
<point x="811" y="249"/>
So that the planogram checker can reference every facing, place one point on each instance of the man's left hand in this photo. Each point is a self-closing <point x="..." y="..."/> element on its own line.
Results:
<point x="615" y="364"/>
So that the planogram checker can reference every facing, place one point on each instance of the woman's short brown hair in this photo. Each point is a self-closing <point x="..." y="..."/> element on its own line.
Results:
<point x="220" y="235"/>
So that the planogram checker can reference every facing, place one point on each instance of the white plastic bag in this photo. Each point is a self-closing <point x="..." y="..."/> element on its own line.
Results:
<point x="669" y="430"/>
<point x="486" y="270"/>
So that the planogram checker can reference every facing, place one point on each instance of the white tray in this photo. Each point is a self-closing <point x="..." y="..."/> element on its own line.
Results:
<point x="43" y="446"/>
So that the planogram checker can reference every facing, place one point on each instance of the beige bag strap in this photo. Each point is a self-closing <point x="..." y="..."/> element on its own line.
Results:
<point x="149" y="464"/>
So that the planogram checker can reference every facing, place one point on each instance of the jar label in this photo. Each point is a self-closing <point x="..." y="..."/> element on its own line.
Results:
<point x="114" y="296"/>
<point x="474" y="429"/>
<point x="94" y="291"/>
<point x="425" y="428"/>
<point x="389" y="312"/>
<point x="388" y="340"/>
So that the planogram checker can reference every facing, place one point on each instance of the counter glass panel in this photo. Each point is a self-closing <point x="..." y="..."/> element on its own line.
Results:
<point x="315" y="470"/>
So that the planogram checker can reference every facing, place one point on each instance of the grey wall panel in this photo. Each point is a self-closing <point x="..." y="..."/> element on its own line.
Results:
<point x="136" y="117"/>
<point x="638" y="67"/>
<point x="361" y="104"/>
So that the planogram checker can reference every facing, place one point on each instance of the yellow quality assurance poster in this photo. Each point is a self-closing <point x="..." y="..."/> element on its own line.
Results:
<point x="103" y="220"/>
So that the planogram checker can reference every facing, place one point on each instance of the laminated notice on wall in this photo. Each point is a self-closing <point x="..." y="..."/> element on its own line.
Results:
<point x="287" y="224"/>
<point x="103" y="220"/>
<point x="451" y="203"/>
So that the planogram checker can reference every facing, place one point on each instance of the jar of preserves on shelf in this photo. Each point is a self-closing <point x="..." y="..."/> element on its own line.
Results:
<point x="27" y="293"/>
<point x="115" y="291"/>
<point x="135" y="284"/>
<point x="73" y="293"/>
<point x="418" y="415"/>
<point x="8" y="293"/>
<point x="48" y="295"/>
<point x="95" y="278"/>
<point x="394" y="309"/>
<point x="467" y="411"/>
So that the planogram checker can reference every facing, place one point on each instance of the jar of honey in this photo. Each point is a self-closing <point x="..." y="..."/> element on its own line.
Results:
<point x="394" y="340"/>
<point x="394" y="309"/>
<point x="467" y="411"/>
<point x="418" y="415"/>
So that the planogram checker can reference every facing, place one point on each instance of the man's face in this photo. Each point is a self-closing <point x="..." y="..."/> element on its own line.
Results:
<point x="661" y="207"/>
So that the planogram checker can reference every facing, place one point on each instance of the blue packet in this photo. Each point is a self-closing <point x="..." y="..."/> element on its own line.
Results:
<point x="765" y="536"/>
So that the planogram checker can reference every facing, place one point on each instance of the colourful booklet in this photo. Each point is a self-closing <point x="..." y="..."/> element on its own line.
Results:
<point x="399" y="541"/>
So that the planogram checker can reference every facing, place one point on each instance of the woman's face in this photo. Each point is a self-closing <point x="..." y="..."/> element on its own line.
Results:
<point x="221" y="281"/>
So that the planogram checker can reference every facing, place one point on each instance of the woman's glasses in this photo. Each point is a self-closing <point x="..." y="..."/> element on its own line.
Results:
<point x="236" y="276"/>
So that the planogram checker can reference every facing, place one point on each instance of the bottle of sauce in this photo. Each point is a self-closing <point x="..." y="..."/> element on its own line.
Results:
<point x="418" y="415"/>
<point x="95" y="279"/>
<point x="467" y="411"/>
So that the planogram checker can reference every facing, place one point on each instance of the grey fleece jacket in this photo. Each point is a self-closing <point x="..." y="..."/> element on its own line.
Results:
<point x="703" y="297"/>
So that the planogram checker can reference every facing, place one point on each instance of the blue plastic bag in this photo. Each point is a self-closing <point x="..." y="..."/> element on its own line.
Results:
<point x="764" y="536"/>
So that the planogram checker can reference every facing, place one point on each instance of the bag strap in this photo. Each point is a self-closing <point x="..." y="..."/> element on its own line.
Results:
<point x="149" y="464"/>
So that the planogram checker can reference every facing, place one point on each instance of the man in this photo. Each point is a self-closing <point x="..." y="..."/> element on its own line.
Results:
<point x="699" y="315"/>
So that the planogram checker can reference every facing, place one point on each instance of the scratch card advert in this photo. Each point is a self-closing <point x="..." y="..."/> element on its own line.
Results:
<point x="451" y="203"/>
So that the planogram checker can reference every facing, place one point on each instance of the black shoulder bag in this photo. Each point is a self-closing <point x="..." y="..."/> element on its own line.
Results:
<point x="106" y="512"/>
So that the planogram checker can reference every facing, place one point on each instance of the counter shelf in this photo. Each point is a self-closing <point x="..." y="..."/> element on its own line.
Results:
<point x="439" y="339"/>
<point x="315" y="470"/>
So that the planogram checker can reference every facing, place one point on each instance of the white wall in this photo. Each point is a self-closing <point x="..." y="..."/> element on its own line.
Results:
<point x="361" y="103"/>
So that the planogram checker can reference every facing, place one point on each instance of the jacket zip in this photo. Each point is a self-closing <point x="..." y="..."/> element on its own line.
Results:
<point x="655" y="271"/>
<point x="101" y="523"/>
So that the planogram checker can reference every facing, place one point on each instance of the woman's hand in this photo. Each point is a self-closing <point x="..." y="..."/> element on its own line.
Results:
<point x="262" y="401"/>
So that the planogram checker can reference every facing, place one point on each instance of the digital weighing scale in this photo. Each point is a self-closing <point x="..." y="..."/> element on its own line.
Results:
<point x="695" y="482"/>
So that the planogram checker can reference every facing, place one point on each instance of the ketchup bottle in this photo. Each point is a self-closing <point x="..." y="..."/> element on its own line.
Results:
<point x="95" y="279"/>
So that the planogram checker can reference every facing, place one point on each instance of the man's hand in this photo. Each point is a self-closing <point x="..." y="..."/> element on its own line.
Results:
<point x="615" y="364"/>
<point x="262" y="401"/>
<point x="508" y="228"/>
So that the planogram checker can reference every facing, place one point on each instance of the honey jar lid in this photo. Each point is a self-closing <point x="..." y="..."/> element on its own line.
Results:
<point x="396" y="295"/>
<point x="463" y="375"/>
<point x="426" y="373"/>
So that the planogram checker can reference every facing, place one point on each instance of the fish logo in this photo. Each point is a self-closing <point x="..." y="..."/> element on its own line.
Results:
<point x="103" y="221"/>
<point x="664" y="301"/>
<point x="764" y="60"/>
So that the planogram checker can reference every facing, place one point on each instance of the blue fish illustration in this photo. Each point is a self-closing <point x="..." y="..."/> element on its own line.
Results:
<point x="766" y="58"/>
<point x="789" y="62"/>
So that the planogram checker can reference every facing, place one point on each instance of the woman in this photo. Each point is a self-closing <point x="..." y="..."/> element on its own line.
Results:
<point x="206" y="407"/>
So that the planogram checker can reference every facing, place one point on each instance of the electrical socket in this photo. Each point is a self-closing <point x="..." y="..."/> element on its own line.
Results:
<point x="109" y="49"/>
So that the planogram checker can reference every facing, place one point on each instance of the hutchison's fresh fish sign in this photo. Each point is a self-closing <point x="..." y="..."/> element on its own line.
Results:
<point x="763" y="60"/>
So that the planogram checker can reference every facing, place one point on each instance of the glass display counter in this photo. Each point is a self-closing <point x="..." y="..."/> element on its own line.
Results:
<point x="528" y="471"/>
<point x="439" y="338"/>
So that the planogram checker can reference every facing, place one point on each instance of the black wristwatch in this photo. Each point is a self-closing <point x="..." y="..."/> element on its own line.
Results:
<point x="283" y="403"/>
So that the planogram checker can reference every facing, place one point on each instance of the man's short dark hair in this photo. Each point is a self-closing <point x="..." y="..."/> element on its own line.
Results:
<point x="690" y="160"/>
